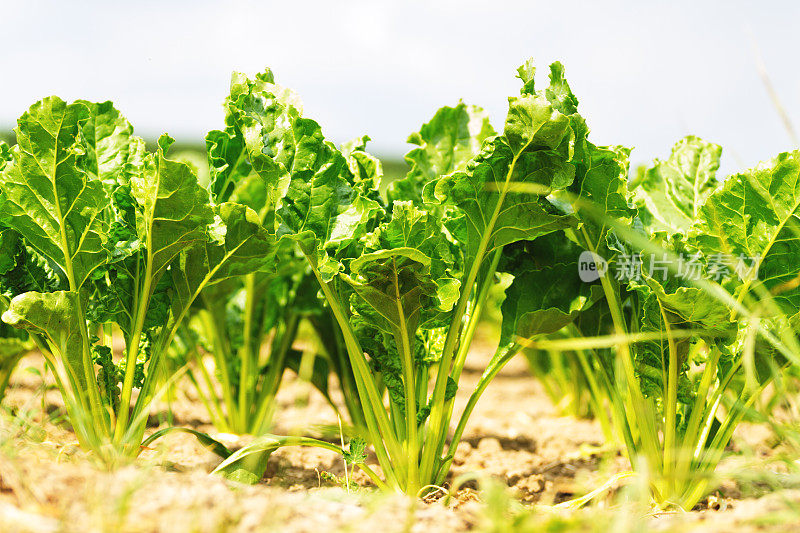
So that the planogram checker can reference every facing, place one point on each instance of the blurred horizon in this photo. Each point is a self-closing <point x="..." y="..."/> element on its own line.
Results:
<point x="645" y="74"/>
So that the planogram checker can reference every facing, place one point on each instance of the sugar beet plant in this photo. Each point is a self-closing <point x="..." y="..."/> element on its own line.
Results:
<point x="243" y="318"/>
<point x="110" y="236"/>
<point x="407" y="281"/>
<point x="694" y="314"/>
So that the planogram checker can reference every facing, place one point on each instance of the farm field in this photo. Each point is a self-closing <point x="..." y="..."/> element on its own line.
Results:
<point x="517" y="331"/>
<point x="533" y="456"/>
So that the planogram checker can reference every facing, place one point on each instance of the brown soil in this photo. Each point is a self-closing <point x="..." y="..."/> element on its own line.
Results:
<point x="514" y="437"/>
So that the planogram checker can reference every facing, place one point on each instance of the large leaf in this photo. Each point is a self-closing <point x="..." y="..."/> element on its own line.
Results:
<point x="445" y="144"/>
<point x="754" y="217"/>
<point x="48" y="197"/>
<point x="366" y="168"/>
<point x="22" y="269"/>
<point x="56" y="316"/>
<point x="547" y="292"/>
<point x="403" y="276"/>
<point x="502" y="191"/>
<point x="159" y="211"/>
<point x="173" y="209"/>
<point x="228" y="164"/>
<point x="602" y="193"/>
<point x="238" y="245"/>
<point x="670" y="193"/>
<point x="107" y="136"/>
<point x="667" y="301"/>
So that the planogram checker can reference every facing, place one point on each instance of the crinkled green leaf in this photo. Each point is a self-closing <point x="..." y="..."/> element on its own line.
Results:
<point x="56" y="316"/>
<point x="6" y="155"/>
<point x="755" y="215"/>
<point x="366" y="168"/>
<point x="559" y="93"/>
<point x="356" y="454"/>
<point x="547" y="292"/>
<point x="238" y="245"/>
<point x="502" y="191"/>
<point x="670" y="193"/>
<point x="652" y="357"/>
<point x="403" y="275"/>
<point x="602" y="193"/>
<point x="48" y="197"/>
<point x="173" y="208"/>
<point x="668" y="301"/>
<point x="159" y="210"/>
<point x="445" y="144"/>
<point x="23" y="269"/>
<point x="228" y="164"/>
<point x="527" y="72"/>
<point x="107" y="135"/>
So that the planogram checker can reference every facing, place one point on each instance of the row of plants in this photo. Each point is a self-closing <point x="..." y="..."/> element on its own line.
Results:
<point x="696" y="351"/>
<point x="103" y="239"/>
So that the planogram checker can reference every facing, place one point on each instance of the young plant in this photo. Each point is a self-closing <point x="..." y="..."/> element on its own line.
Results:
<point x="563" y="379"/>
<point x="407" y="282"/>
<point x="130" y="239"/>
<point x="234" y="321"/>
<point x="669" y="346"/>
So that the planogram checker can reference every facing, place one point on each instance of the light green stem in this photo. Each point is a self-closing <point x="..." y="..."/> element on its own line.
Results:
<point x="248" y="354"/>
<point x="133" y="350"/>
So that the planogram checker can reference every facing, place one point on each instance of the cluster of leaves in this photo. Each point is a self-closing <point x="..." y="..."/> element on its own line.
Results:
<point x="702" y="313"/>
<point x="110" y="237"/>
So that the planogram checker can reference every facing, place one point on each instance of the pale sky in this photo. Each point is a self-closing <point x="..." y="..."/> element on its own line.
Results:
<point x="646" y="73"/>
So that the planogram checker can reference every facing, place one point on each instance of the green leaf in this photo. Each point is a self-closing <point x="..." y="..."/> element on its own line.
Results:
<point x="547" y="292"/>
<point x="667" y="300"/>
<point x="6" y="155"/>
<point x="263" y="114"/>
<point x="159" y="210"/>
<point x="601" y="193"/>
<point x="228" y="164"/>
<point x="238" y="245"/>
<point x="173" y="208"/>
<point x="755" y="216"/>
<point x="404" y="274"/>
<point x="669" y="194"/>
<point x="56" y="316"/>
<point x="445" y="144"/>
<point x="357" y="452"/>
<point x="526" y="72"/>
<point x="502" y="192"/>
<point x="652" y="357"/>
<point x="48" y="197"/>
<point x="22" y="269"/>
<point x="208" y="442"/>
<point x="248" y="465"/>
<point x="107" y="137"/>
<point x="559" y="93"/>
<point x="366" y="168"/>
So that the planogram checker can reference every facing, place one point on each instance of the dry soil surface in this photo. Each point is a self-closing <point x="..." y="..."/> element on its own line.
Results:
<point x="515" y="437"/>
